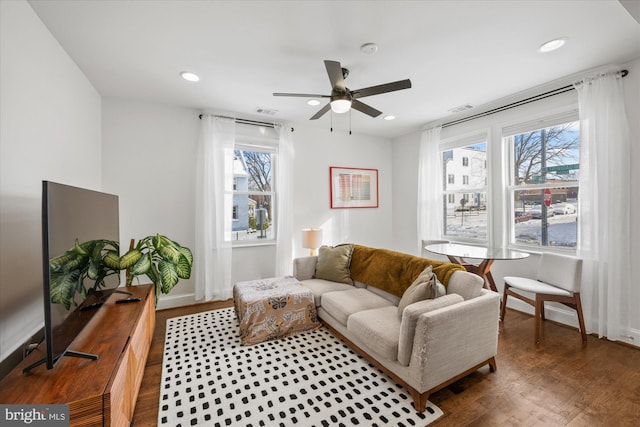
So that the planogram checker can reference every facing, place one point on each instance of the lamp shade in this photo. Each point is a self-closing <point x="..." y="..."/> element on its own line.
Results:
<point x="311" y="238"/>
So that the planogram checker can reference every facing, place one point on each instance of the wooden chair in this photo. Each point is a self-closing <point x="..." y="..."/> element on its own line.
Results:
<point x="558" y="279"/>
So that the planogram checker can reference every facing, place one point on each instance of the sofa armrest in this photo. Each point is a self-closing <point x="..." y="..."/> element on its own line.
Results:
<point x="456" y="338"/>
<point x="304" y="268"/>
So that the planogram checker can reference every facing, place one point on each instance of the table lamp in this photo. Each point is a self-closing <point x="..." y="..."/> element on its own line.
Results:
<point x="312" y="239"/>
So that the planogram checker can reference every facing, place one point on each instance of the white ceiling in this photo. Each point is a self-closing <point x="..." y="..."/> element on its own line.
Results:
<point x="454" y="52"/>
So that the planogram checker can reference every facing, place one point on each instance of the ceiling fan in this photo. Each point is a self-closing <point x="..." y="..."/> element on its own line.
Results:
<point x="342" y="99"/>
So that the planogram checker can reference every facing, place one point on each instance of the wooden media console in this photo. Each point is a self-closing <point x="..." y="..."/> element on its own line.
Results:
<point x="99" y="392"/>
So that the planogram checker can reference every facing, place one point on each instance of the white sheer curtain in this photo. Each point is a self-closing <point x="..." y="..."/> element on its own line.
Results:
<point x="604" y="205"/>
<point x="214" y="198"/>
<point x="429" y="187"/>
<point x="284" y="202"/>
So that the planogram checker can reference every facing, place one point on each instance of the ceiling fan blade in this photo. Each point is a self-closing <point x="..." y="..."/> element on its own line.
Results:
<point x="301" y="95"/>
<point x="387" y="87"/>
<point x="334" y="70"/>
<point x="321" y="113"/>
<point x="364" y="108"/>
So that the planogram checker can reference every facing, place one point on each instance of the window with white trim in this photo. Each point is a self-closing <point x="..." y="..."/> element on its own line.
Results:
<point x="465" y="192"/>
<point x="544" y="165"/>
<point x="254" y="192"/>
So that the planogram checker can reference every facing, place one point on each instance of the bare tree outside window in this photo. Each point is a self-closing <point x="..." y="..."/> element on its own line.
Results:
<point x="560" y="143"/>
<point x="259" y="169"/>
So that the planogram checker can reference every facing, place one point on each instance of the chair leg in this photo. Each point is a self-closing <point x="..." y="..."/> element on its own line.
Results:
<point x="538" y="318"/>
<point x="503" y="306"/>
<point x="583" y="331"/>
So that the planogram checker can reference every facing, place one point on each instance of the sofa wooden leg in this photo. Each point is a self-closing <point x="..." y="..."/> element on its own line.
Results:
<point x="419" y="399"/>
<point x="492" y="365"/>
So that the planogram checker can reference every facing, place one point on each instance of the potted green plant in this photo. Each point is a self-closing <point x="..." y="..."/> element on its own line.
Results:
<point x="162" y="260"/>
<point x="93" y="259"/>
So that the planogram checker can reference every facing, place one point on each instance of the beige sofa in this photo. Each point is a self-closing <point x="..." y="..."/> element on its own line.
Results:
<point x="433" y="342"/>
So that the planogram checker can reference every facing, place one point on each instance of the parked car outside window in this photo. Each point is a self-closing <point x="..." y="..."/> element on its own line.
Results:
<point x="564" y="209"/>
<point x="536" y="212"/>
<point x="522" y="216"/>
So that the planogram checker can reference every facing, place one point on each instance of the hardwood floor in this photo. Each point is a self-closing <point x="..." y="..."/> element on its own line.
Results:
<point x="557" y="383"/>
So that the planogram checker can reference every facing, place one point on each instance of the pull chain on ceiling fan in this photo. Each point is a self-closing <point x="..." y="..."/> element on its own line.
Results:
<point x="342" y="99"/>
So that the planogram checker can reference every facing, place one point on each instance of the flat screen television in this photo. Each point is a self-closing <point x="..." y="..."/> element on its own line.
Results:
<point x="80" y="231"/>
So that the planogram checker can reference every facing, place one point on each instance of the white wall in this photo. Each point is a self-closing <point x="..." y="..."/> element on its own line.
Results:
<point x="406" y="150"/>
<point x="50" y="117"/>
<point x="405" y="171"/>
<point x="149" y="158"/>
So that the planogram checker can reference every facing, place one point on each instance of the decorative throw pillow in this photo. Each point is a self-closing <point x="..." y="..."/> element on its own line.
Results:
<point x="333" y="263"/>
<point x="425" y="286"/>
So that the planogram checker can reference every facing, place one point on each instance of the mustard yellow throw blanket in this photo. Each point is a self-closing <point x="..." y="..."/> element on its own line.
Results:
<point x="394" y="271"/>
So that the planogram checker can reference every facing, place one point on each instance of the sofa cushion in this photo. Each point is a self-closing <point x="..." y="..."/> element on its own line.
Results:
<point x="468" y="286"/>
<point x="424" y="287"/>
<point x="379" y="329"/>
<point x="410" y="317"/>
<point x="321" y="286"/>
<point x="333" y="263"/>
<point x="384" y="294"/>
<point x="342" y="304"/>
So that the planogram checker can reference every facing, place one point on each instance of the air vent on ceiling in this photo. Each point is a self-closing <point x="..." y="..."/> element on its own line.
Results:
<point x="461" y="108"/>
<point x="266" y="111"/>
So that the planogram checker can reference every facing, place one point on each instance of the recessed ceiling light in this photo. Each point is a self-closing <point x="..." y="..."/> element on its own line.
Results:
<point x="190" y="77"/>
<point x="313" y="102"/>
<point x="552" y="44"/>
<point x="369" y="48"/>
<point x="389" y="117"/>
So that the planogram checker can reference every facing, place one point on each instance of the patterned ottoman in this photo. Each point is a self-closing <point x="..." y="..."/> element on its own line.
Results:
<point x="272" y="308"/>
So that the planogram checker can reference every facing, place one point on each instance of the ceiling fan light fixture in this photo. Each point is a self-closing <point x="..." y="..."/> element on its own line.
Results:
<point x="340" y="103"/>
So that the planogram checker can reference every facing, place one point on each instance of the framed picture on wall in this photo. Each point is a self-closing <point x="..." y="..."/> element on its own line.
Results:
<point x="353" y="187"/>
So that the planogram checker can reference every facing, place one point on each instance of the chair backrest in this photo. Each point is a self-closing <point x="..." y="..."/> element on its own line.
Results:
<point x="427" y="254"/>
<point x="561" y="271"/>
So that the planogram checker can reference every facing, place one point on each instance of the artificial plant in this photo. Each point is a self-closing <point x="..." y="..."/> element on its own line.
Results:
<point x="161" y="259"/>
<point x="93" y="259"/>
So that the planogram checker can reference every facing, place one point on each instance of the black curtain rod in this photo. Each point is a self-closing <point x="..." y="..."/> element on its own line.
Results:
<point x="525" y="101"/>
<point x="245" y="121"/>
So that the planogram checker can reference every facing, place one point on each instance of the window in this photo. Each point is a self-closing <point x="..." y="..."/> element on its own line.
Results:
<point x="253" y="195"/>
<point x="544" y="187"/>
<point x="465" y="204"/>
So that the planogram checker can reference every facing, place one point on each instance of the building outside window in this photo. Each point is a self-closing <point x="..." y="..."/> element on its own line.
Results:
<point x="543" y="192"/>
<point x="465" y="203"/>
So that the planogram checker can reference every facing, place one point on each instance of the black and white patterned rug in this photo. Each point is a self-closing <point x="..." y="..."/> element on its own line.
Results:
<point x="308" y="379"/>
